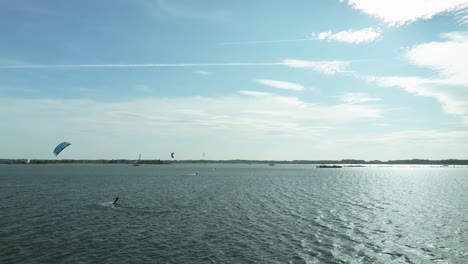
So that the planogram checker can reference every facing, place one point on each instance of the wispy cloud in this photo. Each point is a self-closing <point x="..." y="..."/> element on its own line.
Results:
<point x="350" y="36"/>
<point x="201" y="72"/>
<point x="281" y="84"/>
<point x="256" y="113"/>
<point x="358" y="98"/>
<point x="365" y="35"/>
<point x="400" y="12"/>
<point x="156" y="125"/>
<point x="409" y="144"/>
<point x="453" y="99"/>
<point x="255" y="93"/>
<point x="326" y="67"/>
<point x="433" y="136"/>
<point x="449" y="59"/>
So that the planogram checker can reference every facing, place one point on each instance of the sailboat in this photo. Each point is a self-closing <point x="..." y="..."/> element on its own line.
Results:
<point x="137" y="163"/>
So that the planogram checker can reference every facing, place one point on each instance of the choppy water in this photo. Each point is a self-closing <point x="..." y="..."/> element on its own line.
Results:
<point x="232" y="214"/>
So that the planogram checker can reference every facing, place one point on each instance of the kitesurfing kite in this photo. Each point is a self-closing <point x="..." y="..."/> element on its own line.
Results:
<point x="172" y="154"/>
<point x="60" y="147"/>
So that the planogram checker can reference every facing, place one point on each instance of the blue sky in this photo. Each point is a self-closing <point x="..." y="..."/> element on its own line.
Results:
<point x="285" y="80"/>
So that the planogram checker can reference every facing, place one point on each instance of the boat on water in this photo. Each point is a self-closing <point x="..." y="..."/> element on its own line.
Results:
<point x="329" y="166"/>
<point x="137" y="163"/>
<point x="272" y="164"/>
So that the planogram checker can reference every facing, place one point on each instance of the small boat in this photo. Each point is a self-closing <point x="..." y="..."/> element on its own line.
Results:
<point x="329" y="166"/>
<point x="272" y="164"/>
<point x="137" y="163"/>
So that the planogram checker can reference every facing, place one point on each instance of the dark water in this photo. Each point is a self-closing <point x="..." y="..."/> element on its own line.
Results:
<point x="232" y="214"/>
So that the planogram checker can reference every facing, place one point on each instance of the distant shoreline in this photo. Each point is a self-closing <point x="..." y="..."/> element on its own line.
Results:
<point x="239" y="161"/>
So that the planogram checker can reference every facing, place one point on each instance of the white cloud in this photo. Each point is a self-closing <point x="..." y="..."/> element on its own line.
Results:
<point x="350" y="36"/>
<point x="447" y="58"/>
<point x="201" y="72"/>
<point x="358" y="98"/>
<point x="259" y="114"/>
<point x="454" y="100"/>
<point x="156" y="126"/>
<point x="433" y="136"/>
<point x="400" y="12"/>
<point x="325" y="67"/>
<point x="428" y="134"/>
<point x="425" y="144"/>
<point x="281" y="84"/>
<point x="255" y="93"/>
<point x="192" y="125"/>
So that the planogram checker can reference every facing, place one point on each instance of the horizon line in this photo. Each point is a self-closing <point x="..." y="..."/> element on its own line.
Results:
<point x="278" y="160"/>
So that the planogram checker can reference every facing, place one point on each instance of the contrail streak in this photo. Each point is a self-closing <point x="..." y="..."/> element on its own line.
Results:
<point x="266" y="41"/>
<point x="147" y="65"/>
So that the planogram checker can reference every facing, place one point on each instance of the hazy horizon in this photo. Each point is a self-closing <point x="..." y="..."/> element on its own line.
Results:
<point x="262" y="80"/>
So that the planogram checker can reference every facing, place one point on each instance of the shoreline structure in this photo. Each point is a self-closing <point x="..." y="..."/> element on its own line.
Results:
<point x="240" y="161"/>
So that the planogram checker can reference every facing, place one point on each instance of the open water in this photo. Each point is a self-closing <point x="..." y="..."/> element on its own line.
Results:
<point x="224" y="213"/>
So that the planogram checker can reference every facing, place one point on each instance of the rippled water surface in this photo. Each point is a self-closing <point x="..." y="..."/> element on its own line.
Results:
<point x="218" y="213"/>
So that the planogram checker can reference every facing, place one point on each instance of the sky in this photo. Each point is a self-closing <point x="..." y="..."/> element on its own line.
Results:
<point x="276" y="80"/>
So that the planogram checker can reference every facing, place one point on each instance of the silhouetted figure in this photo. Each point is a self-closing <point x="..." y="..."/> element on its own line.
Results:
<point x="116" y="199"/>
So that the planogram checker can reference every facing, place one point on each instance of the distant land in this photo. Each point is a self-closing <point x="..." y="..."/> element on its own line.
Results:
<point x="156" y="161"/>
